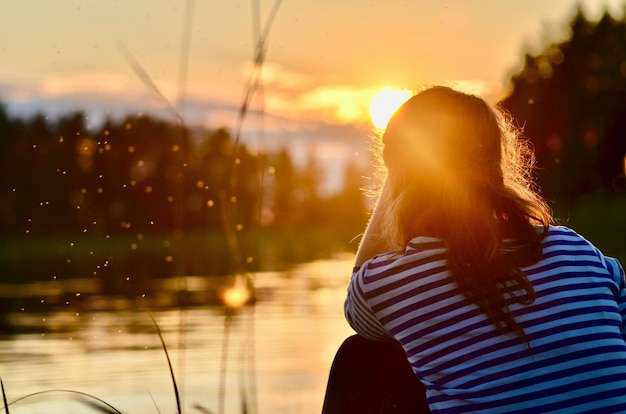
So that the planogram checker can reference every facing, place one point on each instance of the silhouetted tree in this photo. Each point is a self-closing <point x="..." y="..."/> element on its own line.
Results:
<point x="349" y="212"/>
<point x="283" y="195"/>
<point x="568" y="99"/>
<point x="8" y="164"/>
<point x="217" y="166"/>
<point x="311" y="209"/>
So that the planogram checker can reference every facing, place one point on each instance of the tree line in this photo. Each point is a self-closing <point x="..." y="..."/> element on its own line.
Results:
<point x="148" y="198"/>
<point x="142" y="174"/>
<point x="570" y="99"/>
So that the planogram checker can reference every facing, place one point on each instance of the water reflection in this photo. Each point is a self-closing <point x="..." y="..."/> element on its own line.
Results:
<point x="279" y="351"/>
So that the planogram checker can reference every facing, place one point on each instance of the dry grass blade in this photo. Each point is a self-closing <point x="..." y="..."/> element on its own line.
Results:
<point x="169" y="362"/>
<point x="4" y="398"/>
<point x="92" y="401"/>
<point x="253" y="84"/>
<point x="147" y="81"/>
<point x="224" y="362"/>
<point x="97" y="406"/>
<point x="154" y="402"/>
<point x="181" y="94"/>
<point x="255" y="78"/>
<point x="184" y="56"/>
<point x="202" y="409"/>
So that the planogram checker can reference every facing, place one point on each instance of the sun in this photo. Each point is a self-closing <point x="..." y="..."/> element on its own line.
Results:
<point x="385" y="103"/>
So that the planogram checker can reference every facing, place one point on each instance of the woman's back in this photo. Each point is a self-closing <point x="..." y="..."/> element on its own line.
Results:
<point x="575" y="358"/>
<point x="496" y="310"/>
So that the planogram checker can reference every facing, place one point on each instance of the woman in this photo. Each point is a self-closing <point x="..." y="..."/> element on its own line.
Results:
<point x="496" y="309"/>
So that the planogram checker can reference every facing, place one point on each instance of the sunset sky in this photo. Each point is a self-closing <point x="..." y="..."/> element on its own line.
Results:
<point x="326" y="59"/>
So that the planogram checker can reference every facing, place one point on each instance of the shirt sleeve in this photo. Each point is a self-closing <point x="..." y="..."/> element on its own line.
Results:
<point x="358" y="311"/>
<point x="617" y="272"/>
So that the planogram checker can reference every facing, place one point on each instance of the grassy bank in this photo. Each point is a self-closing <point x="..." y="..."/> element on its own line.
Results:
<point x="600" y="219"/>
<point x="144" y="257"/>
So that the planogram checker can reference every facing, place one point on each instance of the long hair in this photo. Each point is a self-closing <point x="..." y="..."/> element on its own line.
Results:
<point x="458" y="170"/>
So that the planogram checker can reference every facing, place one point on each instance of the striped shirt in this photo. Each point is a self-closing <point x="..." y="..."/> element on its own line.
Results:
<point x="576" y="327"/>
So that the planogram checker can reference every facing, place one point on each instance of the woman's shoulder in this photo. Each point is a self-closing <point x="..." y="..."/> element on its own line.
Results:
<point x="559" y="232"/>
<point x="570" y="240"/>
<point x="418" y="251"/>
<point x="567" y="239"/>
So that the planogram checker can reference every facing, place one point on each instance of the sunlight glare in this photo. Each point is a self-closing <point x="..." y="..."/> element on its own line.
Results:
<point x="385" y="103"/>
<point x="237" y="295"/>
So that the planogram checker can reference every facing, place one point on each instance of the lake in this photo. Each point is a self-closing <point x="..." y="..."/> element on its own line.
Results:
<point x="274" y="355"/>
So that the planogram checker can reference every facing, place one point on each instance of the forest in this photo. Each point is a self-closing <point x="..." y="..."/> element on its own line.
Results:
<point x="149" y="198"/>
<point x="145" y="198"/>
<point x="570" y="100"/>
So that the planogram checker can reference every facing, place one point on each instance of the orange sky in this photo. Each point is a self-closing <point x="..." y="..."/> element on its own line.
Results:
<point x="326" y="59"/>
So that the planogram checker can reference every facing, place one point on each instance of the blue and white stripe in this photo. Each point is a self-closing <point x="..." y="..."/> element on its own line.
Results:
<point x="576" y="362"/>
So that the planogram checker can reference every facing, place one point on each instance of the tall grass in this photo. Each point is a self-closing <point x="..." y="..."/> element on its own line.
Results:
<point x="89" y="400"/>
<point x="254" y="88"/>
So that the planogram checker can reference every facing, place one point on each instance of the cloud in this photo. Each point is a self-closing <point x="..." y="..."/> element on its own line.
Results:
<point x="298" y="95"/>
<point x="345" y="102"/>
<point x="107" y="83"/>
<point x="279" y="77"/>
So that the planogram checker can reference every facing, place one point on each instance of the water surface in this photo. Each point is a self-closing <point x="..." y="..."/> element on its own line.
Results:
<point x="275" y="354"/>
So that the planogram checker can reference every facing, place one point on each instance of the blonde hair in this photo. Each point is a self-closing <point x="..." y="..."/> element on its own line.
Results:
<point x="458" y="170"/>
